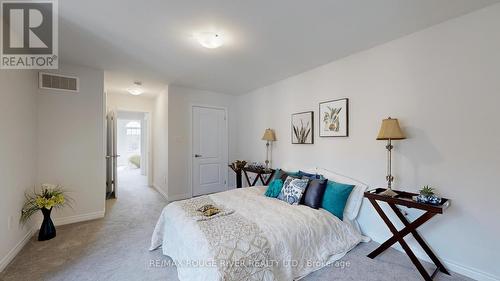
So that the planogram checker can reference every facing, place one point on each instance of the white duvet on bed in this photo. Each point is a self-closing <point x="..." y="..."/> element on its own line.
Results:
<point x="302" y="239"/>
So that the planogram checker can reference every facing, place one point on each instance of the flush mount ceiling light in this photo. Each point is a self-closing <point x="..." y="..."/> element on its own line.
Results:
<point x="136" y="89"/>
<point x="210" y="40"/>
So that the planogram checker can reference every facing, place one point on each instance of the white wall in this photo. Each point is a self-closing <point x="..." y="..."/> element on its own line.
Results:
<point x="443" y="84"/>
<point x="160" y="143"/>
<point x="71" y="143"/>
<point x="179" y="110"/>
<point x="18" y="156"/>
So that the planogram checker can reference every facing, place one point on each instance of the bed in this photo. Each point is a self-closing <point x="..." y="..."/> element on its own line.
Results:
<point x="261" y="239"/>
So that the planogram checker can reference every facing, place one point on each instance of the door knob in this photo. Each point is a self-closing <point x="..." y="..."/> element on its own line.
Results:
<point x="197" y="155"/>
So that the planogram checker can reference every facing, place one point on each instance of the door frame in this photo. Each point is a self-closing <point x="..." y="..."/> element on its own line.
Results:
<point x="190" y="150"/>
<point x="104" y="144"/>
<point x="111" y="145"/>
<point x="149" y="139"/>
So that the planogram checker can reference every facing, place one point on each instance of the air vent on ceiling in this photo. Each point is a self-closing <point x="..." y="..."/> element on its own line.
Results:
<point x="51" y="81"/>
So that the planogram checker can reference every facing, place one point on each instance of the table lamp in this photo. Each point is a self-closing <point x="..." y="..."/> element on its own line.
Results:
<point x="269" y="137"/>
<point x="390" y="131"/>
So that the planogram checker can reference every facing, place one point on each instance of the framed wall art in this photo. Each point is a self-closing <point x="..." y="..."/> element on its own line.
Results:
<point x="303" y="128"/>
<point x="334" y="118"/>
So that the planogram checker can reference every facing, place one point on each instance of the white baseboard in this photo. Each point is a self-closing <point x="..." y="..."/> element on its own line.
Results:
<point x="469" y="271"/>
<point x="173" y="197"/>
<point x="78" y="218"/>
<point x="473" y="273"/>
<point x="14" y="251"/>
<point x="160" y="191"/>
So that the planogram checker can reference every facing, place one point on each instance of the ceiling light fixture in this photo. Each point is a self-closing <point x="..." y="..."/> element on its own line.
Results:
<point x="136" y="89"/>
<point x="210" y="40"/>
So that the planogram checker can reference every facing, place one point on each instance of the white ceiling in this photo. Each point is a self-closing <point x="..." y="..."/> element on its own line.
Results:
<point x="118" y="82"/>
<point x="267" y="40"/>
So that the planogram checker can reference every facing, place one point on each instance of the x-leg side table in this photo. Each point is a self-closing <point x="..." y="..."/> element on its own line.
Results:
<point x="405" y="199"/>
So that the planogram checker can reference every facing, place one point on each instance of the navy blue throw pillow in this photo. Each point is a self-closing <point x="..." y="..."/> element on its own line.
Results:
<point x="302" y="174"/>
<point x="313" y="196"/>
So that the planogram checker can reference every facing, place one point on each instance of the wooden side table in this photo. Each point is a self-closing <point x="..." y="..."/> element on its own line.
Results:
<point x="405" y="199"/>
<point x="259" y="175"/>
<point x="238" y="176"/>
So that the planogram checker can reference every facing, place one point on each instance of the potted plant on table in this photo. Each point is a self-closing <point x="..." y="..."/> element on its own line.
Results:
<point x="51" y="196"/>
<point x="428" y="196"/>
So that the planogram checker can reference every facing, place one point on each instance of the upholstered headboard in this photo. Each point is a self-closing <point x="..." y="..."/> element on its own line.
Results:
<point x="355" y="199"/>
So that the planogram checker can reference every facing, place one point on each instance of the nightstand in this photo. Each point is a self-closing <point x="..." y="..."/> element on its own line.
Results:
<point x="405" y="199"/>
<point x="259" y="174"/>
<point x="265" y="175"/>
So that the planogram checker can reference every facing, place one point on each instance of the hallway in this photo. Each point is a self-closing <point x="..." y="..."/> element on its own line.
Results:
<point x="130" y="181"/>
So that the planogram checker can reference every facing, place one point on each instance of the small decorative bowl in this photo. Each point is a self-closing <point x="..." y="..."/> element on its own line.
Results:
<point x="428" y="199"/>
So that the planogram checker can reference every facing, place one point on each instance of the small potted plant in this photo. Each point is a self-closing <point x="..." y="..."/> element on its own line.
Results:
<point x="51" y="196"/>
<point x="428" y="196"/>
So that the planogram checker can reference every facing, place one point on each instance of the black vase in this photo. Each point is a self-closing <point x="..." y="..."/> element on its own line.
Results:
<point x="47" y="230"/>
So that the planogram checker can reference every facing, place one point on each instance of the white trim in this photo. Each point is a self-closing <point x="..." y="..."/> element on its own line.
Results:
<point x="74" y="219"/>
<point x="159" y="190"/>
<point x="149" y="169"/>
<point x="104" y="141"/>
<point x="468" y="271"/>
<point x="190" y="155"/>
<point x="14" y="251"/>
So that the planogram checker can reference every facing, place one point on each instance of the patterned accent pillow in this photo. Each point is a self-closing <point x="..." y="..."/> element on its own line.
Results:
<point x="293" y="189"/>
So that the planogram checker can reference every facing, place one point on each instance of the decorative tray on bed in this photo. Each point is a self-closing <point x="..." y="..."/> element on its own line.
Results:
<point x="406" y="199"/>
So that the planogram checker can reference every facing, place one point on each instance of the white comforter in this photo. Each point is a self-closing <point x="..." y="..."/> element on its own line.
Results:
<point x="302" y="239"/>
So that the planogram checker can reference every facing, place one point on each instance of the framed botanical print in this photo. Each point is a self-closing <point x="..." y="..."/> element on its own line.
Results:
<point x="303" y="128"/>
<point x="334" y="118"/>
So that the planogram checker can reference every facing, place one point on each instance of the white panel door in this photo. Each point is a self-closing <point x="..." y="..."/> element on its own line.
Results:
<point x="209" y="150"/>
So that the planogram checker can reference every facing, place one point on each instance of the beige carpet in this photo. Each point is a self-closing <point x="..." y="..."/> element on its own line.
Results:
<point x="116" y="248"/>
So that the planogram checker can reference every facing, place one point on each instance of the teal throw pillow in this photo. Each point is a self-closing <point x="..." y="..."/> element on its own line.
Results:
<point x="335" y="198"/>
<point x="280" y="174"/>
<point x="274" y="188"/>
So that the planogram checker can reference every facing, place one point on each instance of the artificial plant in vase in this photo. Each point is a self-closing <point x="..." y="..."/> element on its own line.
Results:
<point x="51" y="196"/>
